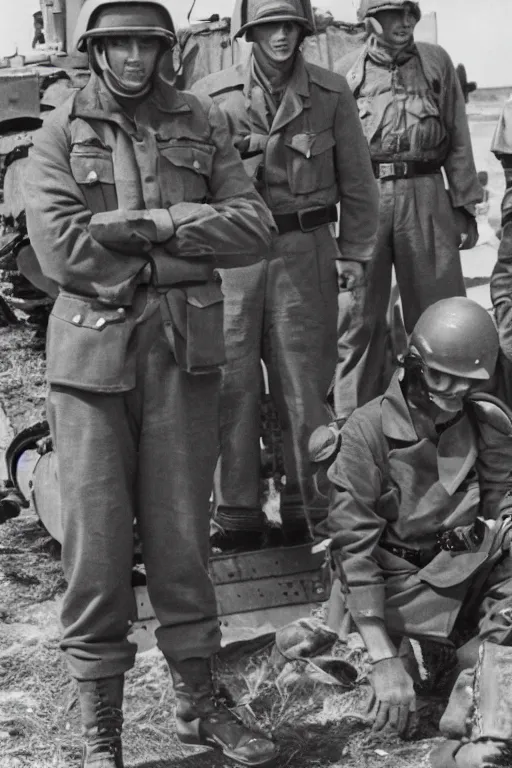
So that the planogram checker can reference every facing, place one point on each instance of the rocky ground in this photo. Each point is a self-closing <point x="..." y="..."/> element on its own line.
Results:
<point x="316" y="725"/>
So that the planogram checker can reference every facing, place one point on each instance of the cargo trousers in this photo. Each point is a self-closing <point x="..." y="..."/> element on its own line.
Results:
<point x="283" y="311"/>
<point x="148" y="454"/>
<point x="417" y="236"/>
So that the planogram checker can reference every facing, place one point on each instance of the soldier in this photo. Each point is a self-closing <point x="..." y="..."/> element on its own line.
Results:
<point x="418" y="516"/>
<point x="135" y="193"/>
<point x="501" y="278"/>
<point x="296" y="127"/>
<point x="413" y="115"/>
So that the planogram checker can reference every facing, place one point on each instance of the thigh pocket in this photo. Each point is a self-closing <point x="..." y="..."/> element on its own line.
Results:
<point x="193" y="321"/>
<point x="87" y="345"/>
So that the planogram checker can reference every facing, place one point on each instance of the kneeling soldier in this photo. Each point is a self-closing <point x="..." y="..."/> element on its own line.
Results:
<point x="417" y="519"/>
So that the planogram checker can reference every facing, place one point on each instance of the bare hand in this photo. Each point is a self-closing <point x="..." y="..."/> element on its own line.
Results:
<point x="393" y="699"/>
<point x="350" y="274"/>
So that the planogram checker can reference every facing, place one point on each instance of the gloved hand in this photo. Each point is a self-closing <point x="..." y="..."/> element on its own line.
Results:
<point x="466" y="227"/>
<point x="132" y="230"/>
<point x="351" y="274"/>
<point x="393" y="699"/>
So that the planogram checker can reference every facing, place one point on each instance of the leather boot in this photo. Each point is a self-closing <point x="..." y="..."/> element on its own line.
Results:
<point x="101" y="704"/>
<point x="203" y="719"/>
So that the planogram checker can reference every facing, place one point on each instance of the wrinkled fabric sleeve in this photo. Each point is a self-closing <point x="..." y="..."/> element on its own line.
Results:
<point x="353" y="522"/>
<point x="235" y="225"/>
<point x="459" y="165"/>
<point x="58" y="221"/>
<point x="359" y="194"/>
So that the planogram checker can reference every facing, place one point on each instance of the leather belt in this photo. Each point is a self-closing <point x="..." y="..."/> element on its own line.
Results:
<point x="405" y="170"/>
<point x="306" y="220"/>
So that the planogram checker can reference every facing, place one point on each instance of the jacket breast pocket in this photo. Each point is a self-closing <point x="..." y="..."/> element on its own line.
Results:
<point x="93" y="171"/>
<point x="87" y="345"/>
<point x="185" y="171"/>
<point x="193" y="322"/>
<point x="310" y="161"/>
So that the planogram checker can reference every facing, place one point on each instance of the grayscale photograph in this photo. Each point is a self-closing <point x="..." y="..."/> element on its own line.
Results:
<point x="256" y="384"/>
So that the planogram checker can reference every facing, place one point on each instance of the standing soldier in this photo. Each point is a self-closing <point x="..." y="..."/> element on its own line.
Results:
<point x="414" y="119"/>
<point x="135" y="194"/>
<point x="296" y="127"/>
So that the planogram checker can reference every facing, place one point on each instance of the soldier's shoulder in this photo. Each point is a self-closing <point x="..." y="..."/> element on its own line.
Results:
<point x="502" y="139"/>
<point x="434" y="52"/>
<point x="224" y="81"/>
<point x="492" y="413"/>
<point x="329" y="81"/>
<point x="344" y="65"/>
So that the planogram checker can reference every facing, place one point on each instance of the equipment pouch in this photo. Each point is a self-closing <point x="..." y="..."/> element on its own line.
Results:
<point x="87" y="345"/>
<point x="193" y="319"/>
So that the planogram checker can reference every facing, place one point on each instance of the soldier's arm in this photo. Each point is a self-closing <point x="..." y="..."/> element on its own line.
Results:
<point x="235" y="225"/>
<point x="501" y="279"/>
<point x="459" y="165"/>
<point x="356" y="529"/>
<point x="58" y="226"/>
<point x="359" y="195"/>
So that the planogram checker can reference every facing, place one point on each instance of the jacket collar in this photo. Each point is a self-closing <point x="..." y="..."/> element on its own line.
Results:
<point x="296" y="95"/>
<point x="456" y="448"/>
<point x="397" y="423"/>
<point x="96" y="102"/>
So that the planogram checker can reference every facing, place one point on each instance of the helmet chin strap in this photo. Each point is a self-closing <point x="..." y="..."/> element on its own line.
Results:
<point x="115" y="84"/>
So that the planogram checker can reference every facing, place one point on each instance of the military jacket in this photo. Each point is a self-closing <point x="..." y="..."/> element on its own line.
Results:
<point x="312" y="153"/>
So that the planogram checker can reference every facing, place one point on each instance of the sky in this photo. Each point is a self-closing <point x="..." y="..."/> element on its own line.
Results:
<point x="477" y="33"/>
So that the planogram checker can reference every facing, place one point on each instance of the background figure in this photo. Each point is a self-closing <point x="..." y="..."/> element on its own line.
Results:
<point x="39" y="38"/>
<point x="116" y="214"/>
<point x="296" y="127"/>
<point x="413" y="115"/>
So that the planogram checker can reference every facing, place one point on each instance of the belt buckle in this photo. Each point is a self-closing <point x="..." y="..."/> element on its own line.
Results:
<point x="303" y="214"/>
<point x="386" y="170"/>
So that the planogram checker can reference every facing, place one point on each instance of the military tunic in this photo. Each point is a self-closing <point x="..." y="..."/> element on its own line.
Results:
<point x="413" y="114"/>
<point x="397" y="484"/>
<point x="310" y="153"/>
<point x="130" y="217"/>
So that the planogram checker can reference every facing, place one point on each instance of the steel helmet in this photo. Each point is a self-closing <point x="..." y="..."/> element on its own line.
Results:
<point x="249" y="13"/>
<point x="371" y="7"/>
<point x="457" y="336"/>
<point x="114" y="18"/>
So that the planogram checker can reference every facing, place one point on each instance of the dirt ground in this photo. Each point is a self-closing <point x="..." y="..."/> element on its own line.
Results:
<point x="316" y="725"/>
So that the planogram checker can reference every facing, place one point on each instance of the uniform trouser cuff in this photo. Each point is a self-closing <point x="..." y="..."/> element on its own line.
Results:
<point x="240" y="519"/>
<point x="99" y="669"/>
<point x="199" y="640"/>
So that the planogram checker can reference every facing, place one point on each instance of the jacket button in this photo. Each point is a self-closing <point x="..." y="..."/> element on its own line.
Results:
<point x="77" y="319"/>
<point x="91" y="178"/>
<point x="121" y="311"/>
<point x="100" y="322"/>
<point x="196" y="164"/>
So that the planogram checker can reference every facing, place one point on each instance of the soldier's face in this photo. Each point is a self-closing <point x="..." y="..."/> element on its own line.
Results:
<point x="132" y="59"/>
<point x="277" y="41"/>
<point x="445" y="390"/>
<point x="397" y="26"/>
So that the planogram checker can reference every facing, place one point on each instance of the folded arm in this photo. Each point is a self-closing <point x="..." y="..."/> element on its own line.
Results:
<point x="58" y="226"/>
